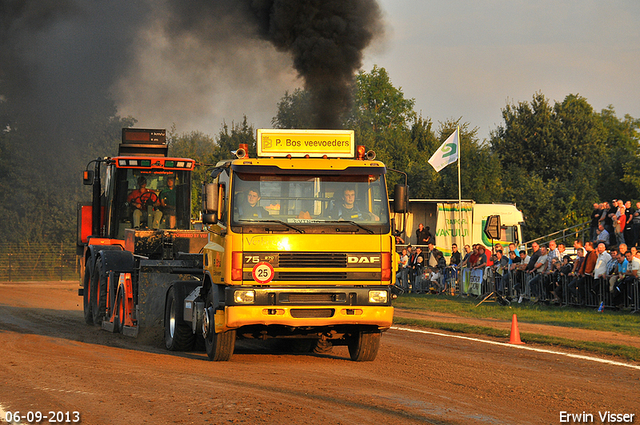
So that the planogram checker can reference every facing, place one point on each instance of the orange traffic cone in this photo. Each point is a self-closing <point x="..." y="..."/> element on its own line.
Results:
<point x="515" y="333"/>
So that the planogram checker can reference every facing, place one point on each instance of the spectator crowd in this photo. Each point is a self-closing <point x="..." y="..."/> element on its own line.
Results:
<point x="601" y="272"/>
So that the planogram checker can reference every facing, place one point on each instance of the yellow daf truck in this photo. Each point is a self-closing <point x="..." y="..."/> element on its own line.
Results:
<point x="300" y="246"/>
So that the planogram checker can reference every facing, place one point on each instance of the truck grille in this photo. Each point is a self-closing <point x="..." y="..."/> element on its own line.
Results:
<point x="301" y="298"/>
<point x="308" y="313"/>
<point x="309" y="276"/>
<point x="312" y="259"/>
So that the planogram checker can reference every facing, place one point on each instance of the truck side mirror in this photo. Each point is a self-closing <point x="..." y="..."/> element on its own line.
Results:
<point x="210" y="203"/>
<point x="400" y="198"/>
<point x="87" y="177"/>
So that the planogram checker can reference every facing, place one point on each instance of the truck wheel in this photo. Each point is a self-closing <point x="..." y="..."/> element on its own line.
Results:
<point x="177" y="334"/>
<point x="219" y="346"/>
<point x="364" y="344"/>
<point x="99" y="305"/>
<point x="118" y="312"/>
<point x="86" y="292"/>
<point x="112" y="293"/>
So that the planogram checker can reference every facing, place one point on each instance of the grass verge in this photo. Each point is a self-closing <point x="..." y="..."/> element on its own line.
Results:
<point x="609" y="321"/>
<point x="623" y="351"/>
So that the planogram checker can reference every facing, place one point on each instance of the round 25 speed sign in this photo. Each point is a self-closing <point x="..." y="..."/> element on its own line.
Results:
<point x="263" y="272"/>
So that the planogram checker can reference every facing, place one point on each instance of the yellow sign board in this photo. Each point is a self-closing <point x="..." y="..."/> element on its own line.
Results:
<point x="299" y="143"/>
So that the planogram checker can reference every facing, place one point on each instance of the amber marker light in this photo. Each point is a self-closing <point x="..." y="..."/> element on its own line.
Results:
<point x="386" y="266"/>
<point x="236" y="265"/>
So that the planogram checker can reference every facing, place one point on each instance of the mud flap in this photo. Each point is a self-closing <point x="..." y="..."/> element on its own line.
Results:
<point x="152" y="291"/>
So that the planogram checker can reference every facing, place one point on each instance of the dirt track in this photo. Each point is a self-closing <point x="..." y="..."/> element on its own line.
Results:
<point x="52" y="361"/>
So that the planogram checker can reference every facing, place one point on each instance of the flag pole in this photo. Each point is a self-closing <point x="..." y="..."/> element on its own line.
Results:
<point x="461" y="244"/>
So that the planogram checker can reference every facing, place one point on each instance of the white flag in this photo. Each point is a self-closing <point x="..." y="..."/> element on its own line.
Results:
<point x="447" y="153"/>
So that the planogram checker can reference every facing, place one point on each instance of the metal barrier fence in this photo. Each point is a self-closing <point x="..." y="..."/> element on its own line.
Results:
<point x="38" y="262"/>
<point x="519" y="286"/>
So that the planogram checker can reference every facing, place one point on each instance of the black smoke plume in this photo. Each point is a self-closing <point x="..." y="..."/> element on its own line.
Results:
<point x="58" y="59"/>
<point x="326" y="39"/>
<point x="68" y="68"/>
<point x="62" y="62"/>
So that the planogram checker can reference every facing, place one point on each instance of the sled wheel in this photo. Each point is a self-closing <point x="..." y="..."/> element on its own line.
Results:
<point x="177" y="334"/>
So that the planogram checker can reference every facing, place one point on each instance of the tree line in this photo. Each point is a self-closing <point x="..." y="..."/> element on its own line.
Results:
<point x="553" y="159"/>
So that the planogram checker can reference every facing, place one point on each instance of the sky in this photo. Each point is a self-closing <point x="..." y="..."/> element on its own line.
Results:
<point x="469" y="59"/>
<point x="456" y="58"/>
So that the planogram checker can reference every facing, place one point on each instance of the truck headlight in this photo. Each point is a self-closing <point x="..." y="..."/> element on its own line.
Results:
<point x="378" y="297"/>
<point x="244" y="296"/>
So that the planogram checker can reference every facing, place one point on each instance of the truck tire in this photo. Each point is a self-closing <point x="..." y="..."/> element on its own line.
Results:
<point x="178" y="335"/>
<point x="118" y="313"/>
<point x="219" y="346"/>
<point x="86" y="292"/>
<point x="112" y="294"/>
<point x="99" y="306"/>
<point x="364" y="344"/>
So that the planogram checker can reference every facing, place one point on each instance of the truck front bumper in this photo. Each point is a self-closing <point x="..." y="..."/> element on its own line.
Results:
<point x="238" y="316"/>
<point x="308" y="306"/>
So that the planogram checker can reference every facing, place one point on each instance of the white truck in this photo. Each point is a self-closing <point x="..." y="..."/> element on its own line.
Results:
<point x="449" y="223"/>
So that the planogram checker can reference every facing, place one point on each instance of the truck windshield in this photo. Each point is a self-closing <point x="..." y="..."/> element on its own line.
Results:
<point x="350" y="202"/>
<point x="153" y="199"/>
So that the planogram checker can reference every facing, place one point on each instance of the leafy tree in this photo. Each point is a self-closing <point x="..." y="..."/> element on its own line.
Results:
<point x="379" y="106"/>
<point x="40" y="187"/>
<point x="621" y="168"/>
<point x="198" y="146"/>
<point x="562" y="149"/>
<point x="208" y="151"/>
<point x="526" y="140"/>
<point x="229" y="139"/>
<point x="294" y="111"/>
<point x="382" y="118"/>
<point x="580" y="139"/>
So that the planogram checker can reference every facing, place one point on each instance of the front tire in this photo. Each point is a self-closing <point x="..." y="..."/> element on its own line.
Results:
<point x="86" y="292"/>
<point x="219" y="346"/>
<point x="364" y="344"/>
<point x="99" y="287"/>
<point x="118" y="312"/>
<point x="177" y="334"/>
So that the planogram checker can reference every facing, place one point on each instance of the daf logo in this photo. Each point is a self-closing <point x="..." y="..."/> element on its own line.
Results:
<point x="363" y="259"/>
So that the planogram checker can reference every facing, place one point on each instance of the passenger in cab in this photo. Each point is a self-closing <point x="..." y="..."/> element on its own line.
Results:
<point x="168" y="202"/>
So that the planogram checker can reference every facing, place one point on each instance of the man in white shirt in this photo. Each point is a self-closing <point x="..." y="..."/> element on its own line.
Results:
<point x="601" y="262"/>
<point x="554" y="252"/>
<point x="600" y="270"/>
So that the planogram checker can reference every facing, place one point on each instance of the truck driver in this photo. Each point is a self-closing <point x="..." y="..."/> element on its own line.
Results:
<point x="144" y="199"/>
<point x="252" y="209"/>
<point x="348" y="210"/>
